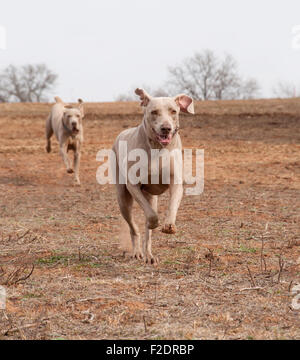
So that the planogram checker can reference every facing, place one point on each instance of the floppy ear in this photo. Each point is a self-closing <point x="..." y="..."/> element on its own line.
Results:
<point x="145" y="98"/>
<point x="81" y="108"/>
<point x="185" y="103"/>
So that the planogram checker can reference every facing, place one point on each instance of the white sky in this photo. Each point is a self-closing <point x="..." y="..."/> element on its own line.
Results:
<point x="102" y="48"/>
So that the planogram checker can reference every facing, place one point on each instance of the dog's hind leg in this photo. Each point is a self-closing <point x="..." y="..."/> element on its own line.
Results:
<point x="125" y="201"/>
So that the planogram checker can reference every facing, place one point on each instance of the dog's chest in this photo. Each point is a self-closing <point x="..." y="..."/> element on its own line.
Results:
<point x="72" y="143"/>
<point x="160" y="175"/>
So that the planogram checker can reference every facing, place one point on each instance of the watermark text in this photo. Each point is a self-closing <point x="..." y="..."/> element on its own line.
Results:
<point x="162" y="167"/>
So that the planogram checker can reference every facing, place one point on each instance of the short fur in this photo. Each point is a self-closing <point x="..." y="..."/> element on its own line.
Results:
<point x="158" y="130"/>
<point x="65" y="122"/>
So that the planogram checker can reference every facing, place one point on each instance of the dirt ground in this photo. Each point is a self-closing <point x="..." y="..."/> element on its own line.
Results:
<point x="228" y="273"/>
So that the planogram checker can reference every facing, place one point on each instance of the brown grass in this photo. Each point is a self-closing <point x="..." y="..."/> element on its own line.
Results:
<point x="214" y="280"/>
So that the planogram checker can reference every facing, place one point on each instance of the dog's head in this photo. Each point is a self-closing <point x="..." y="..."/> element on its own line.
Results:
<point x="162" y="115"/>
<point x="72" y="117"/>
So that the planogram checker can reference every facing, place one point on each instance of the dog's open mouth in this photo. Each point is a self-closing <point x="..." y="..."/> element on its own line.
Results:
<point x="75" y="131"/>
<point x="163" y="139"/>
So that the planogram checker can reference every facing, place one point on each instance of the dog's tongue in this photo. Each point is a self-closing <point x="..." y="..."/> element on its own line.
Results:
<point x="165" y="141"/>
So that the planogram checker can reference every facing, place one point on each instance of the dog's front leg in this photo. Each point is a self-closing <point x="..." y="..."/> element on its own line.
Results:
<point x="64" y="154"/>
<point x="151" y="215"/>
<point x="147" y="242"/>
<point x="176" y="192"/>
<point x="77" y="157"/>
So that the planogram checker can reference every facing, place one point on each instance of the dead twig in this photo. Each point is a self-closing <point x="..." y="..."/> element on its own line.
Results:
<point x="12" y="330"/>
<point x="27" y="276"/>
<point x="263" y="265"/>
<point x="79" y="253"/>
<point x="281" y="267"/>
<point x="211" y="258"/>
<point x="27" y="326"/>
<point x="252" y="288"/>
<point x="145" y="325"/>
<point x="21" y="237"/>
<point x="251" y="278"/>
<point x="155" y="292"/>
<point x="15" y="276"/>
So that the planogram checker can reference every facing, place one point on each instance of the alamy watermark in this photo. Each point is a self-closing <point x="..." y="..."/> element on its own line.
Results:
<point x="3" y="38"/>
<point x="2" y="298"/>
<point x="154" y="169"/>
<point x="296" y="298"/>
<point x="296" y="37"/>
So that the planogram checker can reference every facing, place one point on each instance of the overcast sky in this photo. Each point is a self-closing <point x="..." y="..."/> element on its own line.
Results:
<point x="103" y="48"/>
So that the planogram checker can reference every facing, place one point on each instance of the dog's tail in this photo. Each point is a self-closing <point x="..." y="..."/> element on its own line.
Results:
<point x="125" y="238"/>
<point x="58" y="100"/>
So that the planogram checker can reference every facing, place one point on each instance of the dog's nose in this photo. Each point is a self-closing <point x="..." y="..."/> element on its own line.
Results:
<point x="166" y="129"/>
<point x="74" y="123"/>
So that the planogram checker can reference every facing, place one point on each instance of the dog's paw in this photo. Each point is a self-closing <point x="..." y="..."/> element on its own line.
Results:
<point x="77" y="182"/>
<point x="152" y="222"/>
<point x="151" y="260"/>
<point x="137" y="254"/>
<point x="70" y="171"/>
<point x="169" y="229"/>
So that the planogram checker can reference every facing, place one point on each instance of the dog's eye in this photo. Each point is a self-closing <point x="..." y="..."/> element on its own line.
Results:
<point x="173" y="112"/>
<point x="154" y="112"/>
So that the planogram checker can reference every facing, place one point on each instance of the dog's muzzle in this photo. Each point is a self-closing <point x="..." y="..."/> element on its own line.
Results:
<point x="165" y="136"/>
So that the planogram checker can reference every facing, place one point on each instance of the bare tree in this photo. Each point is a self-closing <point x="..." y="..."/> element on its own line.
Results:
<point x="196" y="76"/>
<point x="285" y="90"/>
<point x="226" y="79"/>
<point x="205" y="76"/>
<point x="3" y="99"/>
<point x="3" y="94"/>
<point x="249" y="89"/>
<point x="29" y="83"/>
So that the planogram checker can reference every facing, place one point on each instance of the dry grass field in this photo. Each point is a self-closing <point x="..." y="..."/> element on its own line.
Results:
<point x="229" y="271"/>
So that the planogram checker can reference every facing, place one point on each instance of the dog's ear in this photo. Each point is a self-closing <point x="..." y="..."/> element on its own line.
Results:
<point x="185" y="103"/>
<point x="58" y="100"/>
<point x="81" y="107"/>
<point x="145" y="98"/>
